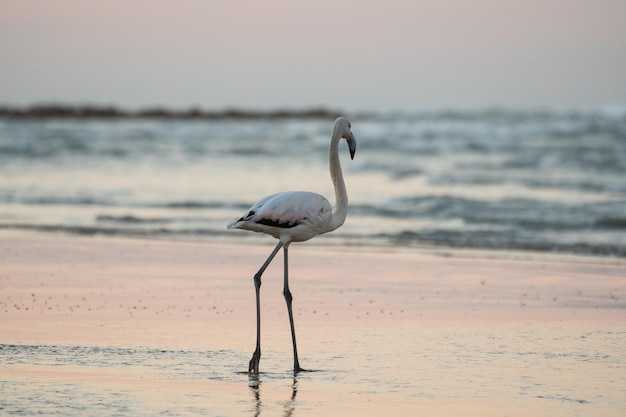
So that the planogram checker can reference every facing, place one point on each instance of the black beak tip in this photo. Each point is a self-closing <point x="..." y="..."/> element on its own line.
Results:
<point x="352" y="146"/>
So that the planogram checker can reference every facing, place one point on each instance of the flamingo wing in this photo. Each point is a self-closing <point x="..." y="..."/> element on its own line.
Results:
<point x="306" y="213"/>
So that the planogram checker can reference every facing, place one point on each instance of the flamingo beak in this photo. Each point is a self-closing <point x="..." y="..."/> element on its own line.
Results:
<point x="352" y="145"/>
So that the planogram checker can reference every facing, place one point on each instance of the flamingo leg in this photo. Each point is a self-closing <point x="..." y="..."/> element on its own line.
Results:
<point x="289" y="299"/>
<point x="253" y="367"/>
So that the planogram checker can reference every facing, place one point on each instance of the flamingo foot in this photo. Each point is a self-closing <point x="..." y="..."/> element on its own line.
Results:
<point x="253" y="367"/>
<point x="296" y="368"/>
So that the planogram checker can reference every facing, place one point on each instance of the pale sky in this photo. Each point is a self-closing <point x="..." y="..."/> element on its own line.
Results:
<point x="353" y="55"/>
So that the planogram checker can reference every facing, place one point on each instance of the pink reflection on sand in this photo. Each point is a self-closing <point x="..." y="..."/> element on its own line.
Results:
<point x="387" y="332"/>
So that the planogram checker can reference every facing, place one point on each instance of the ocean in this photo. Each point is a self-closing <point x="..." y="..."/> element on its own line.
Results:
<point x="497" y="180"/>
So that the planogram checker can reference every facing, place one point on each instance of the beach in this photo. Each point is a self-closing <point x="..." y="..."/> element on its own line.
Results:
<point x="128" y="326"/>
<point x="451" y="176"/>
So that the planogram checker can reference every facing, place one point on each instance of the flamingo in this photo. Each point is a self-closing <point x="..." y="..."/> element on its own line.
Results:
<point x="297" y="216"/>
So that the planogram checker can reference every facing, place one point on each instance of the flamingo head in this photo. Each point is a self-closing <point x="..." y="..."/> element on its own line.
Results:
<point x="343" y="127"/>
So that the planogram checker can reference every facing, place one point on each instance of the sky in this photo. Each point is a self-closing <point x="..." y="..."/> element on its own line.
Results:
<point x="354" y="55"/>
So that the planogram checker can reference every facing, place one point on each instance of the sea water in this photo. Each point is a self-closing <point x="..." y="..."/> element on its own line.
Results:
<point x="504" y="180"/>
<point x="524" y="370"/>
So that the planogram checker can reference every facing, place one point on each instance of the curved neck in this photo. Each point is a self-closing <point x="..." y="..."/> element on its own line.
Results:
<point x="341" y="196"/>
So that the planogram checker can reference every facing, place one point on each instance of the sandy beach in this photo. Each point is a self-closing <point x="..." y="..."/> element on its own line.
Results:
<point x="103" y="326"/>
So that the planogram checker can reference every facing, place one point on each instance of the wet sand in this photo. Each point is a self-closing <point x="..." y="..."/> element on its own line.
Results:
<point x="102" y="326"/>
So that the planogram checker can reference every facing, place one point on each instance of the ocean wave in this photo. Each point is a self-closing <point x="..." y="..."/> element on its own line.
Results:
<point x="128" y="231"/>
<point x="485" y="239"/>
<point x="201" y="205"/>
<point x="8" y="197"/>
<point x="56" y="200"/>
<point x="516" y="212"/>
<point x="611" y="223"/>
<point x="128" y="219"/>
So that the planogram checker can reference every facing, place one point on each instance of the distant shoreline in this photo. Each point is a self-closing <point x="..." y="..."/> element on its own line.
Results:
<point x="52" y="111"/>
<point x="61" y="111"/>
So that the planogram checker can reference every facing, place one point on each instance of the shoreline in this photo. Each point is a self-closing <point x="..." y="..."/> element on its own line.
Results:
<point x="49" y="111"/>
<point x="330" y="243"/>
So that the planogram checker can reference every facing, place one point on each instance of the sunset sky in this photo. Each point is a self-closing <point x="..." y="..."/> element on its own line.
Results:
<point x="356" y="55"/>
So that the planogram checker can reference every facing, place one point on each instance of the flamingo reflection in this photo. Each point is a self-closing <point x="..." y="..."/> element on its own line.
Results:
<point x="255" y="388"/>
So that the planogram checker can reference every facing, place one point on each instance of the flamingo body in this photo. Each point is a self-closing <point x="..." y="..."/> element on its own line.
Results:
<point x="293" y="216"/>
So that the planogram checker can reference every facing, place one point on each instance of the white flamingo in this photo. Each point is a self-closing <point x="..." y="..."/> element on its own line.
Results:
<point x="297" y="216"/>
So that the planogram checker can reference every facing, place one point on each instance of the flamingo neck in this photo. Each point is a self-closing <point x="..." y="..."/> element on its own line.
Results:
<point x="341" y="195"/>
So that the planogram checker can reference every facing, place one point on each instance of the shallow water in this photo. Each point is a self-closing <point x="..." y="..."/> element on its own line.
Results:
<point x="524" y="369"/>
